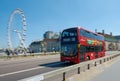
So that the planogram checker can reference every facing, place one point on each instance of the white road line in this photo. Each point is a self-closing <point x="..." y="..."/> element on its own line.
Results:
<point x="2" y="75"/>
<point x="6" y="74"/>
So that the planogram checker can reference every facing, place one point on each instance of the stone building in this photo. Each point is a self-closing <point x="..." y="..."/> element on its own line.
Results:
<point x="35" y="46"/>
<point x="50" y="35"/>
<point x="46" y="45"/>
<point x="50" y="43"/>
<point x="112" y="43"/>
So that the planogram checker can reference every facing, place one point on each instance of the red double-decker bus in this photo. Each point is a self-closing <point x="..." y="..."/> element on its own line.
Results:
<point x="79" y="44"/>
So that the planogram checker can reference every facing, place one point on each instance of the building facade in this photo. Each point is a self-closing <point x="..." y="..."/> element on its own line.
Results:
<point x="46" y="45"/>
<point x="112" y="43"/>
<point x="52" y="45"/>
<point x="35" y="46"/>
<point x="50" y="35"/>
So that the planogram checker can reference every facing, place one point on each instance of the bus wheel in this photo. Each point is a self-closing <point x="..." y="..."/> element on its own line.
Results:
<point x="101" y="55"/>
<point x="87" y="58"/>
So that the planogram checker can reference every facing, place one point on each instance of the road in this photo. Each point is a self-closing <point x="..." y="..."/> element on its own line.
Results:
<point x="16" y="69"/>
<point x="22" y="68"/>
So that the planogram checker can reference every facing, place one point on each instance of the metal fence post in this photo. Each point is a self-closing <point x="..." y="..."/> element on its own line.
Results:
<point x="88" y="66"/>
<point x="78" y="70"/>
<point x="110" y="58"/>
<point x="64" y="76"/>
<point x="95" y="64"/>
<point x="100" y="61"/>
<point x="104" y="60"/>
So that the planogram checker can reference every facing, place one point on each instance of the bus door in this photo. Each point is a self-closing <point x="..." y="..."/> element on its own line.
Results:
<point x="82" y="53"/>
<point x="96" y="51"/>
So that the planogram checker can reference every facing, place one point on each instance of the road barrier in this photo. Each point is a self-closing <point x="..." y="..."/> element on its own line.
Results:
<point x="63" y="71"/>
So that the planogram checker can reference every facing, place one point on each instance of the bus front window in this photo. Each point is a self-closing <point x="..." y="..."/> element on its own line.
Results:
<point x="69" y="33"/>
<point x="69" y="50"/>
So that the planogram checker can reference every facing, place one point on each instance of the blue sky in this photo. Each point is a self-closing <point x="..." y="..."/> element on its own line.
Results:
<point x="56" y="15"/>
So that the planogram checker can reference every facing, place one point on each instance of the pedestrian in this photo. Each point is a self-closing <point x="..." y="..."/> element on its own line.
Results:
<point x="32" y="53"/>
<point x="8" y="53"/>
<point x="16" y="52"/>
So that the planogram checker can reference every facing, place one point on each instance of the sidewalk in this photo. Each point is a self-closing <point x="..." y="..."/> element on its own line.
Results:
<point x="110" y="74"/>
<point x="108" y="71"/>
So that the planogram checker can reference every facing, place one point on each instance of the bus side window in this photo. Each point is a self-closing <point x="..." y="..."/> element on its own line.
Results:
<point x="99" y="48"/>
<point x="96" y="48"/>
<point x="102" y="48"/>
<point x="87" y="48"/>
<point x="82" y="49"/>
<point x="92" y="48"/>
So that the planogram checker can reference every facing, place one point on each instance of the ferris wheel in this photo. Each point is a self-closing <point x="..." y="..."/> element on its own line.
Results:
<point x="20" y="33"/>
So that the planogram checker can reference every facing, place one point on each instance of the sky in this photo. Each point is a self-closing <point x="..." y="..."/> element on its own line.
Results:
<point x="56" y="15"/>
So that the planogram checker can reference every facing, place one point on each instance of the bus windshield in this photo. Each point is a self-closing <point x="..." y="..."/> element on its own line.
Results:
<point x="69" y="50"/>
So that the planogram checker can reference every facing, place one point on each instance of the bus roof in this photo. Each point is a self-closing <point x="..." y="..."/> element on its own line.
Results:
<point x="89" y="31"/>
<point x="80" y="27"/>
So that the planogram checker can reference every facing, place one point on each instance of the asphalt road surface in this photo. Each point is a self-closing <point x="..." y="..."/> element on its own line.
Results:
<point x="13" y="70"/>
<point x="16" y="69"/>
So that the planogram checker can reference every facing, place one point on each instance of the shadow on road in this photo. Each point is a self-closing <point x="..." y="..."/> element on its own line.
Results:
<point x="57" y="64"/>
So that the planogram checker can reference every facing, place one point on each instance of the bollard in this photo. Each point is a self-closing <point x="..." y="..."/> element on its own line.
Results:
<point x="100" y="61"/>
<point x="113" y="57"/>
<point x="110" y="58"/>
<point x="104" y="60"/>
<point x="78" y="70"/>
<point x="95" y="64"/>
<point x="88" y="66"/>
<point x="64" y="76"/>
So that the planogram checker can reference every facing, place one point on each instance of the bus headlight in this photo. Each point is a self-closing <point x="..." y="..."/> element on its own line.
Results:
<point x="78" y="45"/>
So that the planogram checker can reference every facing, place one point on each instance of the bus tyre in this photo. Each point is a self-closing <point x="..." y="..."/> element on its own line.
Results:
<point x="101" y="55"/>
<point x="87" y="58"/>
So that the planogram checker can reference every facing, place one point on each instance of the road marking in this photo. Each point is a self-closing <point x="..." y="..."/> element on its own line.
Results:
<point x="36" y="78"/>
<point x="6" y="74"/>
<point x="2" y="75"/>
<point x="71" y="79"/>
